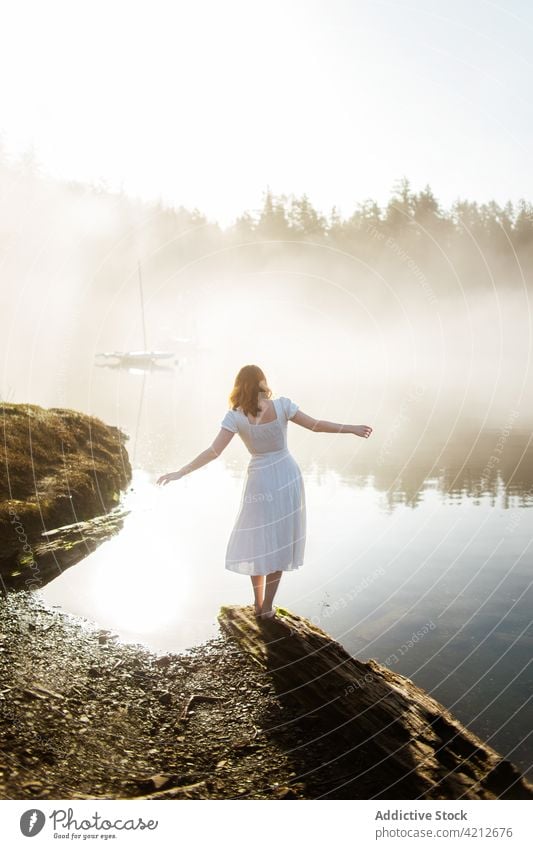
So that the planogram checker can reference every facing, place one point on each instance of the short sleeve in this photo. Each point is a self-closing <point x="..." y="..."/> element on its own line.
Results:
<point x="228" y="422"/>
<point x="289" y="407"/>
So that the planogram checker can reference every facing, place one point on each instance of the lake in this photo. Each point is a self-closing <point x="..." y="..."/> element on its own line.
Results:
<point x="418" y="550"/>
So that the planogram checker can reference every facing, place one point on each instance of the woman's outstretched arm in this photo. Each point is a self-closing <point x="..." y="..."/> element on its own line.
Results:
<point x="322" y="426"/>
<point x="222" y="439"/>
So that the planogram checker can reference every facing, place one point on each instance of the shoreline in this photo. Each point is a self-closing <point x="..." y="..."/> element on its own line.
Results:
<point x="272" y="710"/>
<point x="83" y="715"/>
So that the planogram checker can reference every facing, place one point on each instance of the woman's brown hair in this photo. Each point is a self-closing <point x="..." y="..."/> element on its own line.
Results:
<point x="245" y="392"/>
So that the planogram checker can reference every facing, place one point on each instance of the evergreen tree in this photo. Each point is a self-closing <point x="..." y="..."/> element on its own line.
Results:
<point x="523" y="223"/>
<point x="400" y="209"/>
<point x="304" y="220"/>
<point x="272" y="223"/>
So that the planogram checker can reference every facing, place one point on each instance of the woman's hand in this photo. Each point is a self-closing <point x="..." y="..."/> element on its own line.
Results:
<point x="171" y="476"/>
<point x="362" y="430"/>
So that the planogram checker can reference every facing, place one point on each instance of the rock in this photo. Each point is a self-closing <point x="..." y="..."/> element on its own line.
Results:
<point x="286" y="793"/>
<point x="394" y="739"/>
<point x="157" y="782"/>
<point x="65" y="468"/>
<point x="243" y="744"/>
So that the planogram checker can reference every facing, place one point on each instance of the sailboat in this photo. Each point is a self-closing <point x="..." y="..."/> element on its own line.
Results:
<point x="143" y="358"/>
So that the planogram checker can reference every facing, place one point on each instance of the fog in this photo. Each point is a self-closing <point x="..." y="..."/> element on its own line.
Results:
<point x="413" y="319"/>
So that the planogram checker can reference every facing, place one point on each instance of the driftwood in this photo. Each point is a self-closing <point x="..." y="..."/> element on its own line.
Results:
<point x="394" y="740"/>
<point x="197" y="697"/>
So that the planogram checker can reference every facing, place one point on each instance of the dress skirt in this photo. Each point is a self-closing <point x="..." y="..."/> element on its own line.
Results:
<point x="270" y="528"/>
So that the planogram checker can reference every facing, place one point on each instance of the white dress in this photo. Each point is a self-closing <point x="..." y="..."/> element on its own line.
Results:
<point x="269" y="531"/>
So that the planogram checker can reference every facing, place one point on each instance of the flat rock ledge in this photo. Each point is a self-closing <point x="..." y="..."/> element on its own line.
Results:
<point x="394" y="740"/>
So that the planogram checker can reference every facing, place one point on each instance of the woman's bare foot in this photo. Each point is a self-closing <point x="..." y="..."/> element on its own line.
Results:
<point x="267" y="614"/>
<point x="257" y="609"/>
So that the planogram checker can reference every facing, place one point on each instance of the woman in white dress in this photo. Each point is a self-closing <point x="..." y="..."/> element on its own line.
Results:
<point x="268" y="537"/>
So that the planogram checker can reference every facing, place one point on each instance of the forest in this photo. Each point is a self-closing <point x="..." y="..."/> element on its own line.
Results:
<point x="411" y="242"/>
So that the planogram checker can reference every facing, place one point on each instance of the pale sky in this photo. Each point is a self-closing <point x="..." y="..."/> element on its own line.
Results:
<point x="205" y="103"/>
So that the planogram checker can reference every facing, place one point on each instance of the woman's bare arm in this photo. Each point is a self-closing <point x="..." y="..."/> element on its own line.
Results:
<point x="322" y="426"/>
<point x="220" y="442"/>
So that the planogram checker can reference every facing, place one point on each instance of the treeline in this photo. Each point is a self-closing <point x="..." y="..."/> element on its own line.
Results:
<point x="477" y="244"/>
<point x="407" y="215"/>
<point x="411" y="237"/>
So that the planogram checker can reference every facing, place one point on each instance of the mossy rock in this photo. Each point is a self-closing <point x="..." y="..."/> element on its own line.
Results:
<point x="60" y="466"/>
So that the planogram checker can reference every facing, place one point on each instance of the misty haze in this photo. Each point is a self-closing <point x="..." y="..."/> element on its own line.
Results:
<point x="409" y="317"/>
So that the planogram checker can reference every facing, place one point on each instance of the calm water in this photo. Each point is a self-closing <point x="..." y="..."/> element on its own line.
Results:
<point x="418" y="551"/>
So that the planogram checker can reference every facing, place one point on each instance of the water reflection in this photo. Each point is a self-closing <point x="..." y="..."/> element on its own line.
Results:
<point x="469" y="465"/>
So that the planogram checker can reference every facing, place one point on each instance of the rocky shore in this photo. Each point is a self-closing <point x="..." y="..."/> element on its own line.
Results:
<point x="83" y="715"/>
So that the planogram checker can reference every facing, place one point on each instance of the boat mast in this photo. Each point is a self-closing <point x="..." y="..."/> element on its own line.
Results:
<point x="142" y="306"/>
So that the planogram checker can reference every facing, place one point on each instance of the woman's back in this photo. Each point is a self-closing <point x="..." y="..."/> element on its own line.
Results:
<point x="264" y="437"/>
<point x="269" y="531"/>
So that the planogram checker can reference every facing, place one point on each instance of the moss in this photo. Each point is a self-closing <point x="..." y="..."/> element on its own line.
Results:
<point x="60" y="466"/>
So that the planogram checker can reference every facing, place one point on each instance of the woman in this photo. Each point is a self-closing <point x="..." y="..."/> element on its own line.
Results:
<point x="268" y="537"/>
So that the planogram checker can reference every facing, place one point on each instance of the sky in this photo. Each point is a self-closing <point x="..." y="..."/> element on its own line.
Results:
<point x="208" y="103"/>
